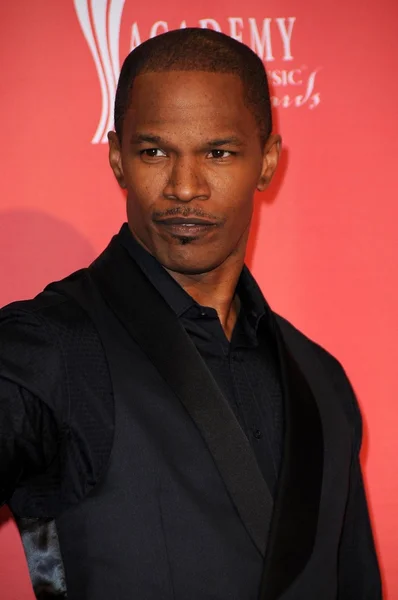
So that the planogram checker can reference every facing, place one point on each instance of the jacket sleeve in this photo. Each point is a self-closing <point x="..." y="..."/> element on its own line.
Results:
<point x="358" y="569"/>
<point x="358" y="574"/>
<point x="30" y="368"/>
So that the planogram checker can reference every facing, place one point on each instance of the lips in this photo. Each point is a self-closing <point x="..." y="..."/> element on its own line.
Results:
<point x="186" y="226"/>
<point x="185" y="221"/>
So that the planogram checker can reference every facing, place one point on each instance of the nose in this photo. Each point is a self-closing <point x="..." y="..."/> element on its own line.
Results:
<point x="186" y="181"/>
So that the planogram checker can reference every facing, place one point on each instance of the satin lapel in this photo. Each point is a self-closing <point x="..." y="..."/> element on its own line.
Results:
<point x="154" y="326"/>
<point x="295" y="517"/>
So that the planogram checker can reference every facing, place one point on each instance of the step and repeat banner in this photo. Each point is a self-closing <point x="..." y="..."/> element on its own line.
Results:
<point x="324" y="243"/>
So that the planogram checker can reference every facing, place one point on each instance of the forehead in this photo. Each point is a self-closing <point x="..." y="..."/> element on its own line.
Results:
<point x="187" y="99"/>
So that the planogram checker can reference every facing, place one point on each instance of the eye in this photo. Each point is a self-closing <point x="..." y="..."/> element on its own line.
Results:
<point x="219" y="154"/>
<point x="153" y="153"/>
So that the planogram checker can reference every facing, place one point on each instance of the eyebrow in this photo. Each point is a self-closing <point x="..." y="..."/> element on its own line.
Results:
<point x="146" y="137"/>
<point x="233" y="140"/>
<point x="141" y="138"/>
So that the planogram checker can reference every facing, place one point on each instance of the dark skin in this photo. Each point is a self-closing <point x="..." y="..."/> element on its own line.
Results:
<point x="191" y="159"/>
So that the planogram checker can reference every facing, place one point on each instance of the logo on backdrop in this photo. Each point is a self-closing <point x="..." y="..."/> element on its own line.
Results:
<point x="294" y="86"/>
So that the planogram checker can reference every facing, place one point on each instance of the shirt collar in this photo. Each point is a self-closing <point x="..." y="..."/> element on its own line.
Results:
<point x="177" y="298"/>
<point x="252" y="300"/>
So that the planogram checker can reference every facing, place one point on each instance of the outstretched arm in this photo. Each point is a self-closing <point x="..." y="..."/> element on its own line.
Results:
<point x="28" y="431"/>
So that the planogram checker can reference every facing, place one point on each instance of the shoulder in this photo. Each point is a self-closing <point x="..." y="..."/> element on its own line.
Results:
<point x="49" y="309"/>
<point x="301" y="341"/>
<point x="51" y="316"/>
<point x="332" y="370"/>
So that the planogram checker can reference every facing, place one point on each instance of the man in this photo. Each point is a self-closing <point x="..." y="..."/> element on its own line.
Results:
<point x="164" y="434"/>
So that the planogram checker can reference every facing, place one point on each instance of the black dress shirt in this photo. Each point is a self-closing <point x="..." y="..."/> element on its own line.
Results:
<point x="246" y="368"/>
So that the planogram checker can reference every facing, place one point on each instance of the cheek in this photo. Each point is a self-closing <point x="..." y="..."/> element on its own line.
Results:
<point x="240" y="179"/>
<point x="234" y="193"/>
<point x="144" y="185"/>
<point x="241" y="212"/>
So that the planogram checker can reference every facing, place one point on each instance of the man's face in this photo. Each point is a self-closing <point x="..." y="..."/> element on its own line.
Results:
<point x="191" y="160"/>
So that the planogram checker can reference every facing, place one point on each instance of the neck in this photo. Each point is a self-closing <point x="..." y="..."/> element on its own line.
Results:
<point x="216" y="289"/>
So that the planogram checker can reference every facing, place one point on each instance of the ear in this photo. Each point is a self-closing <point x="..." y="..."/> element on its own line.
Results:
<point x="115" y="158"/>
<point x="271" y="154"/>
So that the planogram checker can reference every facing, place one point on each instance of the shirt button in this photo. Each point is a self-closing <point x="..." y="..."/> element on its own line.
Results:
<point x="257" y="434"/>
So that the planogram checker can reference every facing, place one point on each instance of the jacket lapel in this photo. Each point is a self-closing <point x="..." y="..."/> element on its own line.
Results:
<point x="155" y="327"/>
<point x="295" y="517"/>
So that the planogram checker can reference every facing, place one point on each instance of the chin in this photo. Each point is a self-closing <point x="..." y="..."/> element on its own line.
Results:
<point x="191" y="259"/>
<point x="191" y="265"/>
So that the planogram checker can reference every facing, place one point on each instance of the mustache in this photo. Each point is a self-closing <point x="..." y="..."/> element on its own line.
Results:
<point x="185" y="211"/>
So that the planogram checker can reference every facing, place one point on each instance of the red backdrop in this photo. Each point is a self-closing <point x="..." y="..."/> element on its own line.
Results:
<point x="324" y="245"/>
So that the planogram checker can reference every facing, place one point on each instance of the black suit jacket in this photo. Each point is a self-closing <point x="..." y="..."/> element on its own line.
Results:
<point x="154" y="491"/>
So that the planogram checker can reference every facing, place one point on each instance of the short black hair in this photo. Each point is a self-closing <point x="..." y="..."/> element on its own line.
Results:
<point x="195" y="49"/>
